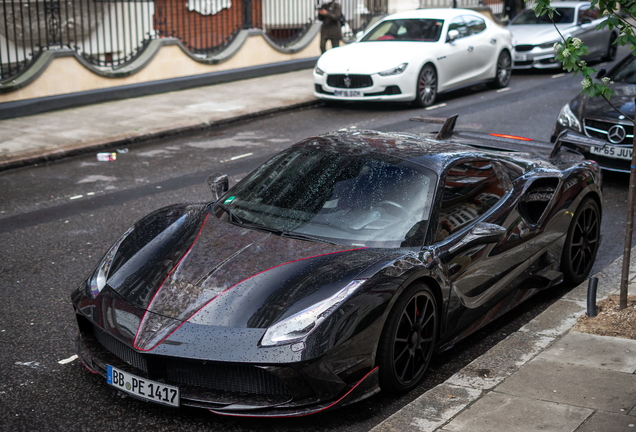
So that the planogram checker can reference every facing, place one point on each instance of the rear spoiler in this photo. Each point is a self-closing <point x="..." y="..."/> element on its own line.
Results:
<point x="575" y="139"/>
<point x="448" y="125"/>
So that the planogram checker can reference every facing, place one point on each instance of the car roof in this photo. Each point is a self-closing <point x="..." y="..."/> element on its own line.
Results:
<point x="572" y="4"/>
<point x="440" y="13"/>
<point x="433" y="154"/>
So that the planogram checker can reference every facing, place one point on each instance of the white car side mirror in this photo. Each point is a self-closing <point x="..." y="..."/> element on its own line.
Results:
<point x="452" y="35"/>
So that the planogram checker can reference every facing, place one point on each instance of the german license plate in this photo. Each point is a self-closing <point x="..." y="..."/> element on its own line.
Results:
<point x="613" y="152"/>
<point x="347" y="93"/>
<point x="521" y="57"/>
<point x="142" y="388"/>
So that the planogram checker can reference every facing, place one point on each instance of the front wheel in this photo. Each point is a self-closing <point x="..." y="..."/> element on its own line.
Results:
<point x="408" y="339"/>
<point x="504" y="71"/>
<point x="426" y="87"/>
<point x="581" y="242"/>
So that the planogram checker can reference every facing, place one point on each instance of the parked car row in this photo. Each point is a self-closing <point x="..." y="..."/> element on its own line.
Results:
<point x="340" y="266"/>
<point x="415" y="56"/>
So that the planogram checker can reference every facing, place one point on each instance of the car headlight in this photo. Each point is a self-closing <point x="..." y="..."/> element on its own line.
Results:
<point x="548" y="44"/>
<point x="394" y="71"/>
<point x="568" y="119"/>
<point x="97" y="281"/>
<point x="304" y="322"/>
<point x="319" y="71"/>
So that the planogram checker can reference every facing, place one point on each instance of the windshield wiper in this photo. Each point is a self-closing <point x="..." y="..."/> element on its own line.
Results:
<point x="231" y="215"/>
<point x="298" y="236"/>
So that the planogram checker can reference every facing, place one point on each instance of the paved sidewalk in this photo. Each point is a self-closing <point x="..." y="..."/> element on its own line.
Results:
<point x="57" y="134"/>
<point x="543" y="377"/>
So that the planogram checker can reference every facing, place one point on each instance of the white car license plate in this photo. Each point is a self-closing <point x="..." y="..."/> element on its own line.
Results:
<point x="613" y="152"/>
<point x="347" y="93"/>
<point x="521" y="57"/>
<point x="143" y="388"/>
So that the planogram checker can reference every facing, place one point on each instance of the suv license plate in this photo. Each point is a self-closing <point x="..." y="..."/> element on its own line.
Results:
<point x="611" y="151"/>
<point x="143" y="388"/>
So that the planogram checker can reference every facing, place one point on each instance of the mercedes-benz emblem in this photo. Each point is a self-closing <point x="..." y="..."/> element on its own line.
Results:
<point x="616" y="134"/>
<point x="347" y="81"/>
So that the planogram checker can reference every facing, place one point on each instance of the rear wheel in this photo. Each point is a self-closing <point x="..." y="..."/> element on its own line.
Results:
<point x="408" y="339"/>
<point x="426" y="87"/>
<point x="504" y="71"/>
<point x="581" y="243"/>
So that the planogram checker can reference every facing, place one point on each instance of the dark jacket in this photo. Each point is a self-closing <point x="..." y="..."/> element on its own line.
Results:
<point x="330" y="21"/>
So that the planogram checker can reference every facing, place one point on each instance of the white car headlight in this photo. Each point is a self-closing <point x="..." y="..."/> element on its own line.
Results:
<point x="568" y="119"/>
<point x="548" y="44"/>
<point x="319" y="71"/>
<point x="304" y="322"/>
<point x="394" y="71"/>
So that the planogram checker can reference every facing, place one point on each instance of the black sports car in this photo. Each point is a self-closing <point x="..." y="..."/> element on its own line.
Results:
<point x="611" y="132"/>
<point x="334" y="270"/>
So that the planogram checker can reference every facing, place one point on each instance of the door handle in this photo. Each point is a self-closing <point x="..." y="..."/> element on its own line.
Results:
<point x="493" y="41"/>
<point x="470" y="49"/>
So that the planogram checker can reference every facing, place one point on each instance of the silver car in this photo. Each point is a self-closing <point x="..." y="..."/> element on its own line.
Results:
<point x="534" y="37"/>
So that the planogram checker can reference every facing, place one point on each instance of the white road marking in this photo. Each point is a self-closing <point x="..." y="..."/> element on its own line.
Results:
<point x="241" y="156"/>
<point x="505" y="89"/>
<point x="558" y="75"/>
<point x="435" y="106"/>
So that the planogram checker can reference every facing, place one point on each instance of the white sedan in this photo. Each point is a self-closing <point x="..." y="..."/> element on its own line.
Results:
<point x="414" y="56"/>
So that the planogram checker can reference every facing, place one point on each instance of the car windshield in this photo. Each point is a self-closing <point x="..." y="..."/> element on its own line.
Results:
<point x="562" y="15"/>
<point x="421" y="30"/>
<point x="349" y="197"/>
<point x="626" y="73"/>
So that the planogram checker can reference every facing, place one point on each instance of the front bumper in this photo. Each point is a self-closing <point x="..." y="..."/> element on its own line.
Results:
<point x="235" y="389"/>
<point x="536" y="58"/>
<point x="397" y="88"/>
<point x="605" y="162"/>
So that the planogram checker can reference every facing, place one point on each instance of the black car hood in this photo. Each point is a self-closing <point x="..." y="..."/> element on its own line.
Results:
<point x="243" y="278"/>
<point x="597" y="107"/>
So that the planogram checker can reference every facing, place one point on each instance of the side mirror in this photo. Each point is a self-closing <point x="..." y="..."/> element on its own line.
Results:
<point x="585" y="20"/>
<point x="482" y="233"/>
<point x="452" y="35"/>
<point x="601" y="73"/>
<point x="219" y="184"/>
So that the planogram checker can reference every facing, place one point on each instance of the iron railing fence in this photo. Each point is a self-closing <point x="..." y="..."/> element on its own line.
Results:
<point x="109" y="34"/>
<point x="497" y="6"/>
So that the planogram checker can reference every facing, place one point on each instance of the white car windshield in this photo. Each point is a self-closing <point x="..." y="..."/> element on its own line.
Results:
<point x="418" y="30"/>
<point x="562" y="15"/>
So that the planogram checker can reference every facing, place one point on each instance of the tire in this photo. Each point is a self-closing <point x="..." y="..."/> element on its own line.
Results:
<point x="426" y="91"/>
<point x="581" y="242"/>
<point x="504" y="71"/>
<point x="612" y="49"/>
<point x="408" y="339"/>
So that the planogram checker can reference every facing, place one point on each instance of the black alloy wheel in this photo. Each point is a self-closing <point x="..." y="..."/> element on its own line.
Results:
<point x="426" y="87"/>
<point x="408" y="339"/>
<point x="582" y="242"/>
<point x="504" y="71"/>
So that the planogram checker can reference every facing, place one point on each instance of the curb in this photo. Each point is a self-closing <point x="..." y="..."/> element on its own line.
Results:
<point x="132" y="138"/>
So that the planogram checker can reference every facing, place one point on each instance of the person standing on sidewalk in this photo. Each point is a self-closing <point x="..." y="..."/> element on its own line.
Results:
<point x="329" y="14"/>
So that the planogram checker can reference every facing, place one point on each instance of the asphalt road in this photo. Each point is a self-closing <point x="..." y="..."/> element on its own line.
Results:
<point x="57" y="220"/>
